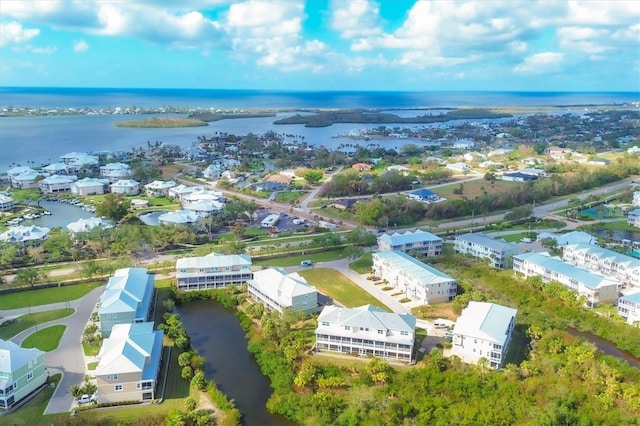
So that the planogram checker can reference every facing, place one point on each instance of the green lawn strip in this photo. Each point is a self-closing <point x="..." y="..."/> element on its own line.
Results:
<point x="92" y="365"/>
<point x="294" y="260"/>
<point x="31" y="413"/>
<point x="46" y="339"/>
<point x="363" y="264"/>
<point x="515" y="238"/>
<point x="338" y="287"/>
<point x="610" y="226"/>
<point x="91" y="349"/>
<point x="43" y="296"/>
<point x="286" y="196"/>
<point x="10" y="329"/>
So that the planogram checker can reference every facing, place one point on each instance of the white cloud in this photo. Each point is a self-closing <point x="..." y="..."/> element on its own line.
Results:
<point x="540" y="63"/>
<point x="40" y="50"/>
<point x="80" y="46"/>
<point x="355" y="18"/>
<point x="14" y="33"/>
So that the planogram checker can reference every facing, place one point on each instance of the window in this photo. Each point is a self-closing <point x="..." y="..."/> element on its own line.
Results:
<point x="118" y="388"/>
<point x="325" y="323"/>
<point x="346" y="327"/>
<point x="404" y="333"/>
<point x="380" y="331"/>
<point x="29" y="376"/>
<point x="138" y="385"/>
<point x="115" y="377"/>
<point x="108" y="377"/>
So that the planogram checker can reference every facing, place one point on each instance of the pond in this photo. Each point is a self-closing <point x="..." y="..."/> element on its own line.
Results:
<point x="62" y="214"/>
<point x="605" y="346"/>
<point x="216" y="334"/>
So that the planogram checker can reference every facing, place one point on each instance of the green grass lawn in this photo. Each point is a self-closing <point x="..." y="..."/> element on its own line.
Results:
<point x="325" y="256"/>
<point x="46" y="339"/>
<point x="43" y="296"/>
<point x="363" y="264"/>
<point x="31" y="414"/>
<point x="515" y="238"/>
<point x="8" y="330"/>
<point x="338" y="287"/>
<point x="286" y="196"/>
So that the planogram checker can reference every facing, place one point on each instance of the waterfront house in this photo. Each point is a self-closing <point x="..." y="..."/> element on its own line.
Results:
<point x="22" y="372"/>
<point x="6" y="203"/>
<point x="18" y="170"/>
<point x="278" y="290"/>
<point x="623" y="268"/>
<point x="179" y="217"/>
<point x="425" y="243"/>
<point x="80" y="162"/>
<point x="366" y="331"/>
<point x="573" y="237"/>
<point x="499" y="252"/>
<point x="86" y="225"/>
<point x="212" y="271"/>
<point x="633" y="219"/>
<point x="26" y="180"/>
<point x="56" y="168"/>
<point x="57" y="183"/>
<point x="417" y="280"/>
<point x="159" y="188"/>
<point x="89" y="186"/>
<point x="127" y="298"/>
<point x="179" y="191"/>
<point x="594" y="287"/>
<point x="483" y="330"/>
<point x="629" y="307"/>
<point x="203" y="208"/>
<point x="129" y="363"/>
<point x="27" y="235"/>
<point x="423" y="195"/>
<point x="126" y="187"/>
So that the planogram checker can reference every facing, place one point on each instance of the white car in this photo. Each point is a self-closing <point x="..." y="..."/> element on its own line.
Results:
<point x="85" y="399"/>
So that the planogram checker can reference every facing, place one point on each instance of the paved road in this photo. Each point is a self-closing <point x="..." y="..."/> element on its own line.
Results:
<point x="68" y="358"/>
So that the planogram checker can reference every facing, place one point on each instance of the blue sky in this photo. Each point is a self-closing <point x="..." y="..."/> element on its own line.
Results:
<point x="486" y="45"/>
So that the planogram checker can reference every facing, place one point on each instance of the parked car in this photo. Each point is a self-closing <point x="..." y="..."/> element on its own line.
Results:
<point x="86" y="399"/>
<point x="306" y="263"/>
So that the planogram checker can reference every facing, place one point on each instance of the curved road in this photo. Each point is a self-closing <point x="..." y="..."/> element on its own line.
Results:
<point x="68" y="358"/>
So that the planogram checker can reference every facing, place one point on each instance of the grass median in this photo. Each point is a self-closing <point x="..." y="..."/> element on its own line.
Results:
<point x="340" y="288"/>
<point x="18" y="325"/>
<point x="43" y="296"/>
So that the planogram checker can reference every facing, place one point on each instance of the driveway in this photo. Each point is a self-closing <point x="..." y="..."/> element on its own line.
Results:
<point x="68" y="357"/>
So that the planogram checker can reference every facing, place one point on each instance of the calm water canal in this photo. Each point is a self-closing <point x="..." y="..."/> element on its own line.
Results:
<point x="217" y="335"/>
<point x="606" y="346"/>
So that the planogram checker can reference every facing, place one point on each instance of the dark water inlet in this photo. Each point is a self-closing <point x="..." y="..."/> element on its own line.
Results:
<point x="606" y="347"/>
<point x="216" y="334"/>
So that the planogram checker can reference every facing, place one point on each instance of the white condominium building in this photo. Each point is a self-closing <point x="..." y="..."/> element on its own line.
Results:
<point x="366" y="331"/>
<point x="213" y="271"/>
<point x="418" y="280"/>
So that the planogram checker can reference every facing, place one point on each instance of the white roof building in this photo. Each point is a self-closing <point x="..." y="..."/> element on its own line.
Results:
<point x="179" y="217"/>
<point x="6" y="203"/>
<point x="419" y="241"/>
<point x="483" y="331"/>
<point x="278" y="290"/>
<point x="24" y="234"/>
<point x="636" y="199"/>
<point x="89" y="186"/>
<point x="126" y="186"/>
<point x="366" y="331"/>
<point x="214" y="270"/>
<point x="480" y="245"/>
<point x="573" y="237"/>
<point x="57" y="183"/>
<point x="86" y="225"/>
<point x="159" y="187"/>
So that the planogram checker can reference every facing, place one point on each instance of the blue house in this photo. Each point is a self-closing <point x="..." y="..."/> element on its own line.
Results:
<point x="423" y="194"/>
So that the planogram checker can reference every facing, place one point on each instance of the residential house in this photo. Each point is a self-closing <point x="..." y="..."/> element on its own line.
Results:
<point x="420" y="241"/>
<point x="56" y="168"/>
<point x="423" y="195"/>
<point x="417" y="280"/>
<point x="213" y="171"/>
<point x="489" y="164"/>
<point x="533" y="161"/>
<point x="599" y="162"/>
<point x="283" y="179"/>
<point x="278" y="290"/>
<point x="89" y="186"/>
<point x="362" y="167"/>
<point x="203" y="208"/>
<point x="366" y="331"/>
<point x="6" y="203"/>
<point x="345" y="203"/>
<point x="159" y="188"/>
<point x="629" y="307"/>
<point x="179" y="217"/>
<point x="573" y="237"/>
<point x="115" y="171"/>
<point x="179" y="191"/>
<point x="129" y="363"/>
<point x="636" y="199"/>
<point x="557" y="153"/>
<point x="86" y="225"/>
<point x="126" y="187"/>
<point x="26" y="180"/>
<point x="22" y="372"/>
<point x="30" y="234"/>
<point x="633" y="218"/>
<point x="80" y="162"/>
<point x="459" y="167"/>
<point x="633" y="150"/>
<point x="533" y="172"/>
<point x="483" y="330"/>
<point x="127" y="299"/>
<point x="517" y="177"/>
<point x="57" y="183"/>
<point x="499" y="252"/>
<point x="464" y="144"/>
<point x="214" y="270"/>
<point x="623" y="268"/>
<point x="398" y="169"/>
<point x="596" y="288"/>
<point x="18" y="170"/>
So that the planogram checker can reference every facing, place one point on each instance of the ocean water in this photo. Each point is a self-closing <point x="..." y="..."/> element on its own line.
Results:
<point x="39" y="140"/>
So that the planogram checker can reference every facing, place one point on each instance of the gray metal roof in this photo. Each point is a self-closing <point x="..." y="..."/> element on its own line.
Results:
<point x="487" y="241"/>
